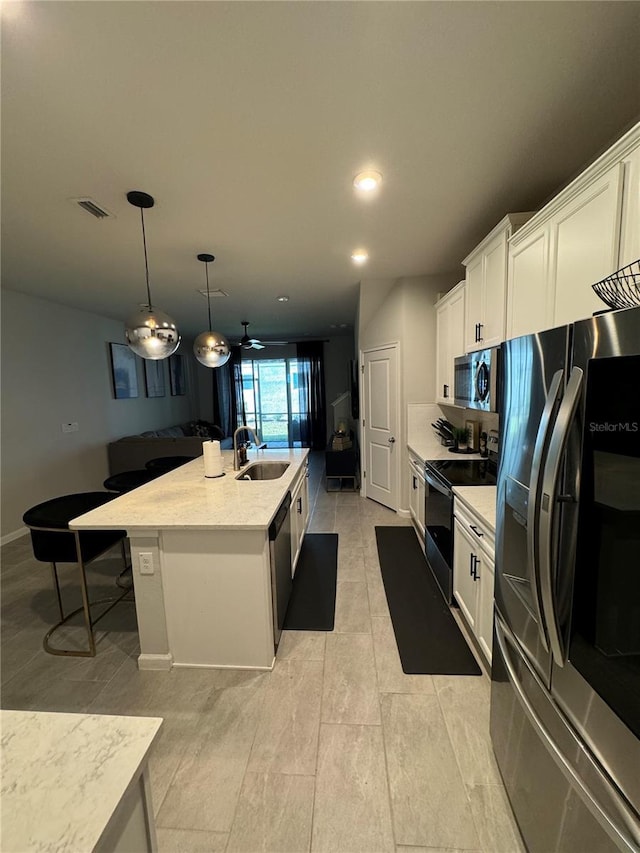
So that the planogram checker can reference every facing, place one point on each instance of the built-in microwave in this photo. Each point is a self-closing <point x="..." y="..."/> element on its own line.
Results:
<point x="475" y="382"/>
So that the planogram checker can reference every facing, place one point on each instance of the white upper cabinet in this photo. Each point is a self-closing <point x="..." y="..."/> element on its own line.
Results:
<point x="588" y="231"/>
<point x="486" y="290"/>
<point x="450" y="340"/>
<point x="473" y="303"/>
<point x="585" y="237"/>
<point x="529" y="303"/>
<point x="630" y="229"/>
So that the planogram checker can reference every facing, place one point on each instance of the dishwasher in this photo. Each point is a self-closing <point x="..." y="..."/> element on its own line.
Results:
<point x="280" y="560"/>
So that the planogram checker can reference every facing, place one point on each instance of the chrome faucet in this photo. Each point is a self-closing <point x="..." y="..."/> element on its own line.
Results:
<point x="258" y="444"/>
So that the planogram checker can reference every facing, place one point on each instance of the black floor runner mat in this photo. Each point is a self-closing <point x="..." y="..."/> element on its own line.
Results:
<point x="312" y="606"/>
<point x="428" y="638"/>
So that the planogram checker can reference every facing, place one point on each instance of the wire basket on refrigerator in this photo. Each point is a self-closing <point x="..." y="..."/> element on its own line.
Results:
<point x="621" y="289"/>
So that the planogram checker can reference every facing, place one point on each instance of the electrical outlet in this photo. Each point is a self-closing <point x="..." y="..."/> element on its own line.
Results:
<point x="73" y="427"/>
<point x="145" y="559"/>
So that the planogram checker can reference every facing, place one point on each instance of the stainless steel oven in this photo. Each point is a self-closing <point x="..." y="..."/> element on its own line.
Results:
<point x="439" y="477"/>
<point x="438" y="529"/>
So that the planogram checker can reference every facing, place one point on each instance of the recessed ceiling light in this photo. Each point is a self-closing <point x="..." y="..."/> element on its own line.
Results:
<point x="282" y="298"/>
<point x="360" y="256"/>
<point x="367" y="181"/>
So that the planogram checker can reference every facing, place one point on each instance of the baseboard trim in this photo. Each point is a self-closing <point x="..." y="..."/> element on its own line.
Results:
<point x="17" y="534"/>
<point x="159" y="663"/>
<point x="226" y="666"/>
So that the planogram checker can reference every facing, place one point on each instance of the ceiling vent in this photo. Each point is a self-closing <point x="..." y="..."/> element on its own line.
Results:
<point x="213" y="293"/>
<point x="91" y="207"/>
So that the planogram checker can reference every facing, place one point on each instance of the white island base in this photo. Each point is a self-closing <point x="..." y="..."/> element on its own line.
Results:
<point x="209" y="605"/>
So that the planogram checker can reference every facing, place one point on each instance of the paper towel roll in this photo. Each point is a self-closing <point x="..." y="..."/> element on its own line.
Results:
<point x="213" y="460"/>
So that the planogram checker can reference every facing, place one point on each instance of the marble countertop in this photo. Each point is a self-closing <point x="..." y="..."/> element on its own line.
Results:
<point x="481" y="500"/>
<point x="185" y="499"/>
<point x="63" y="776"/>
<point x="422" y="440"/>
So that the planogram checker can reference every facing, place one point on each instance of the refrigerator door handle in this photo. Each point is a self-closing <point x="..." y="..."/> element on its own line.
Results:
<point x="533" y="509"/>
<point x="548" y="510"/>
<point x="621" y="831"/>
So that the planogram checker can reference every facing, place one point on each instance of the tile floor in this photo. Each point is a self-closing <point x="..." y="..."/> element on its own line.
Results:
<point x="335" y="750"/>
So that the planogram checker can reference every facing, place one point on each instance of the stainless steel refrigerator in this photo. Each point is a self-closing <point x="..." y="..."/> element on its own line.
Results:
<point x="565" y="692"/>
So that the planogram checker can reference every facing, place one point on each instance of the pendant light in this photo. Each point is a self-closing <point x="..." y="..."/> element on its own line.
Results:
<point x="150" y="333"/>
<point x="210" y="348"/>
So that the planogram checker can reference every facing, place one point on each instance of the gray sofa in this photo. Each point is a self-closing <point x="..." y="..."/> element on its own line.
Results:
<point x="134" y="451"/>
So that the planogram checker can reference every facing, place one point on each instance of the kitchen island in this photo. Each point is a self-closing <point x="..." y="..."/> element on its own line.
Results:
<point x="200" y="555"/>
<point x="76" y="783"/>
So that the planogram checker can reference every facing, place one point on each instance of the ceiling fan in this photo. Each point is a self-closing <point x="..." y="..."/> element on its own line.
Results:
<point x="255" y="343"/>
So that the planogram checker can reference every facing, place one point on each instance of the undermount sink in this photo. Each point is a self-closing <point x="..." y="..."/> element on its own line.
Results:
<point x="263" y="471"/>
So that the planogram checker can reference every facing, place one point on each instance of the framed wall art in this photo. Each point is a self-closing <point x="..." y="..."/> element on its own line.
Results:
<point x="154" y="378"/>
<point x="177" y="375"/>
<point x="124" y="372"/>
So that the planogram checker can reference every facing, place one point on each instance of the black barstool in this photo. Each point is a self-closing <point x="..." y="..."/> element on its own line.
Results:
<point x="163" y="464"/>
<point x="126" y="481"/>
<point x="53" y="543"/>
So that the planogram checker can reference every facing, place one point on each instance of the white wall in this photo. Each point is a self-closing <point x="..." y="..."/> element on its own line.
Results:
<point x="56" y="369"/>
<point x="403" y="310"/>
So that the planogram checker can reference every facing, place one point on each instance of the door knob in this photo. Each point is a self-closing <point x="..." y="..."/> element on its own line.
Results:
<point x="392" y="440"/>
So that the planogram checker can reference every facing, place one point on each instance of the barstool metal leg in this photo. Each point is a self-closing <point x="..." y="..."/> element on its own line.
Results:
<point x="85" y="596"/>
<point x="54" y="572"/>
<point x="85" y="610"/>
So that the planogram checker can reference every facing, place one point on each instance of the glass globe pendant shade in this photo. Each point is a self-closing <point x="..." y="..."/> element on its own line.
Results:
<point x="211" y="349"/>
<point x="151" y="333"/>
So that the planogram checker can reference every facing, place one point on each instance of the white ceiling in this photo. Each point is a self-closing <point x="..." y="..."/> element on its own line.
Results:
<point x="247" y="122"/>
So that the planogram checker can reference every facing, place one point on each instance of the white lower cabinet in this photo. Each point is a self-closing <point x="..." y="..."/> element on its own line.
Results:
<point x="299" y="515"/>
<point x="473" y="573"/>
<point x="465" y="585"/>
<point x="484" y="623"/>
<point x="416" y="494"/>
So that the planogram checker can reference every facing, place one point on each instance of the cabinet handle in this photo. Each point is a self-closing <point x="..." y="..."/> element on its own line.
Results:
<point x="480" y="325"/>
<point x="476" y="337"/>
<point x="445" y="390"/>
<point x="415" y="484"/>
<point x="300" y="505"/>
<point x="474" y="565"/>
<point x="471" y="565"/>
<point x="475" y="530"/>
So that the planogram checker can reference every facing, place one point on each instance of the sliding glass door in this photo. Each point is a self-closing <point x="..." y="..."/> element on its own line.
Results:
<point x="271" y="400"/>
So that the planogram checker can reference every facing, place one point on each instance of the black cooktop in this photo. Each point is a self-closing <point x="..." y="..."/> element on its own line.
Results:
<point x="465" y="472"/>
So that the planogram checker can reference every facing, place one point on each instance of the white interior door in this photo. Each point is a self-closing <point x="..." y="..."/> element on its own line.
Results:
<point x="381" y="448"/>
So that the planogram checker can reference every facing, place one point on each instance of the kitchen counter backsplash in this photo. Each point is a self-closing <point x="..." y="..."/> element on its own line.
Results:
<point x="421" y="436"/>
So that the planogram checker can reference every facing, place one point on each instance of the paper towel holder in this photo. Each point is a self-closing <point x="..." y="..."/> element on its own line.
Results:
<point x="217" y="457"/>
